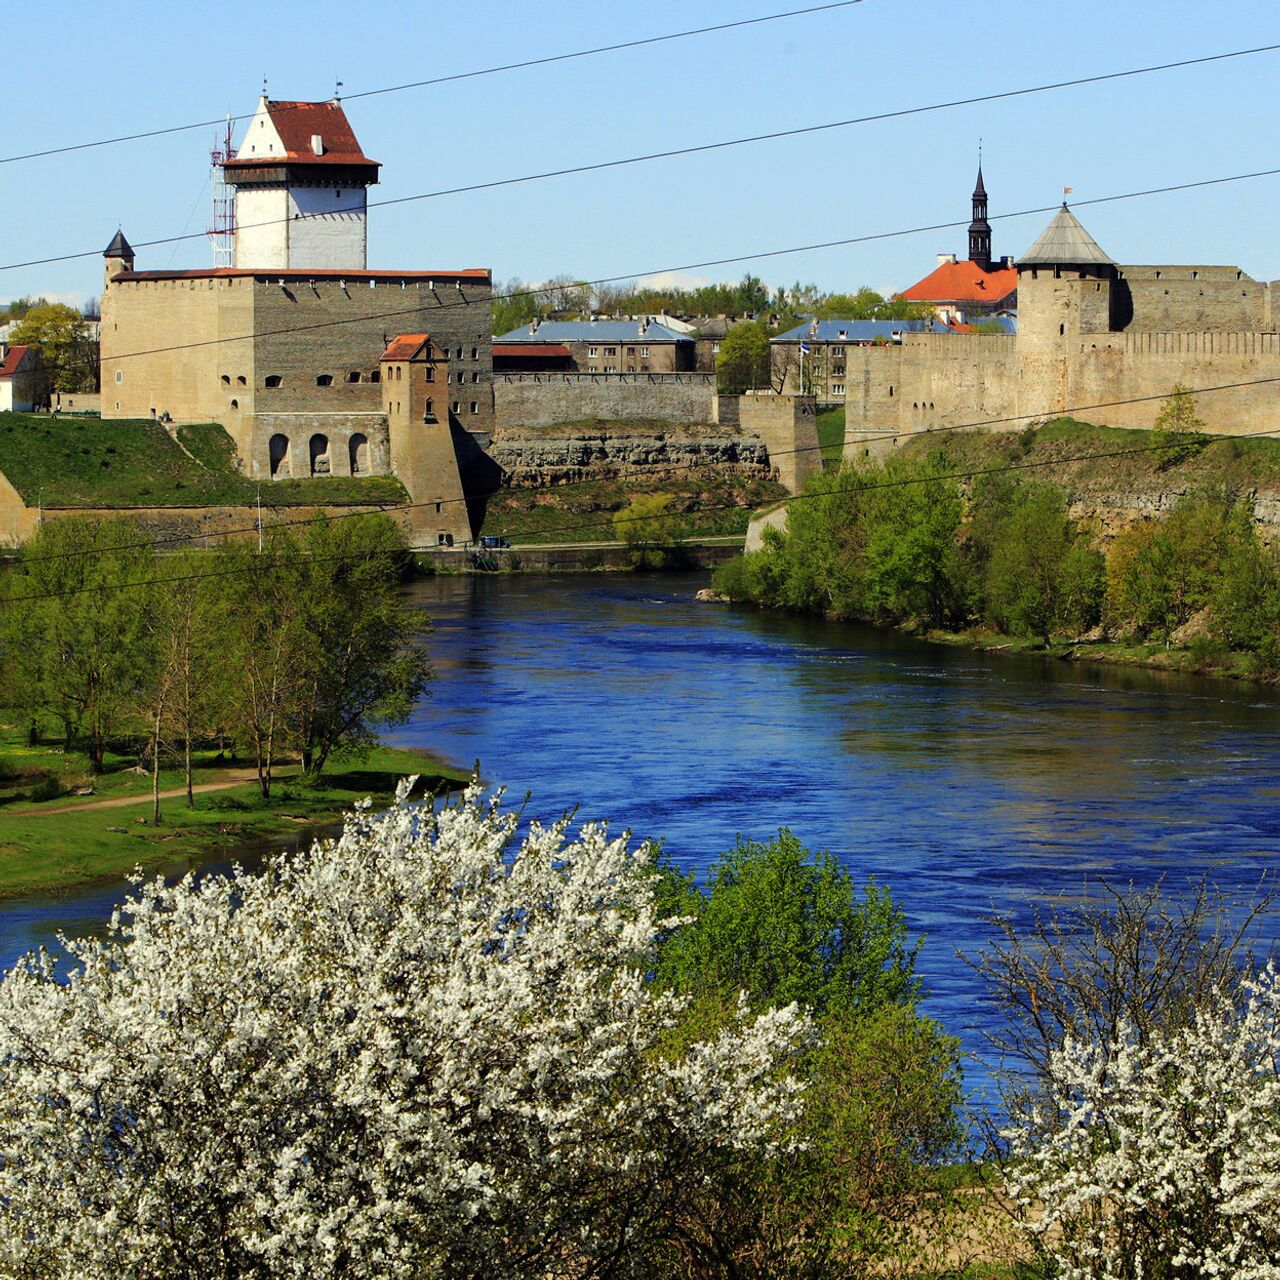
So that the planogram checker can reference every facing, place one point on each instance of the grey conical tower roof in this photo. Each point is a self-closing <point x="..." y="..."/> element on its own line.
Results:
<point x="118" y="248"/>
<point x="1064" y="242"/>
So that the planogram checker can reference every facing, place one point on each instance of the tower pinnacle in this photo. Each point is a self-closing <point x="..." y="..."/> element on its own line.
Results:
<point x="980" y="228"/>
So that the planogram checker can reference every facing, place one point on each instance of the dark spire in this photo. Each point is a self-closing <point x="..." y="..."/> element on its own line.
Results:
<point x="980" y="228"/>
<point x="119" y="247"/>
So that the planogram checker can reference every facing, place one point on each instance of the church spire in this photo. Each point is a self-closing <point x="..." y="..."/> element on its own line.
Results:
<point x="980" y="228"/>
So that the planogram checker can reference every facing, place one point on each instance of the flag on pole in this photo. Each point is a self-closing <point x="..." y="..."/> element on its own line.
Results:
<point x="1066" y="191"/>
<point x="804" y="348"/>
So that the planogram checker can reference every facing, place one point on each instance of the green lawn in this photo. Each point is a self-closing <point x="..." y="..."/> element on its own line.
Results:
<point x="59" y="843"/>
<point x="88" y="462"/>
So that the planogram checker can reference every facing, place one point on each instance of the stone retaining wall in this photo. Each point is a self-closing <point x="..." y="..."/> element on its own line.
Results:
<point x="544" y="399"/>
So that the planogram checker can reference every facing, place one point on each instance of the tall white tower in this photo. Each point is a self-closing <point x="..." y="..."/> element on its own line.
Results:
<point x="302" y="189"/>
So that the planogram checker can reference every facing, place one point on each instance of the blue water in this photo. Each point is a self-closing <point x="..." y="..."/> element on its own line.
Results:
<point x="966" y="783"/>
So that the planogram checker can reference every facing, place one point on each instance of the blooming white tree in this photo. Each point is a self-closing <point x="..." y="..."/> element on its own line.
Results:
<point x="425" y="1049"/>
<point x="1159" y="1156"/>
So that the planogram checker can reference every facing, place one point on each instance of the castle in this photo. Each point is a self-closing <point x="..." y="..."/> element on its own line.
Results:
<point x="1095" y="339"/>
<point x="289" y="346"/>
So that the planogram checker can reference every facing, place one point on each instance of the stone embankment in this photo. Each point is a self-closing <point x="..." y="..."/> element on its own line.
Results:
<point x="568" y="454"/>
<point x="1111" y="514"/>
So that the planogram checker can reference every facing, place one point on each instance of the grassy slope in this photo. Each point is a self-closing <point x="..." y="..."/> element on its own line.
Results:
<point x="705" y="506"/>
<point x="64" y="844"/>
<point x="73" y="462"/>
<point x="1236" y="463"/>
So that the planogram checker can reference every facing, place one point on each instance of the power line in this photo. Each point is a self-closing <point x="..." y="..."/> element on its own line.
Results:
<point x="899" y="482"/>
<point x="703" y="148"/>
<point x="460" y="75"/>
<point x="736" y="259"/>
<point x="649" y="472"/>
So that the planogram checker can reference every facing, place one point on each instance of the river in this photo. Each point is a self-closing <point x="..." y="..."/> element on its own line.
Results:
<point x="964" y="782"/>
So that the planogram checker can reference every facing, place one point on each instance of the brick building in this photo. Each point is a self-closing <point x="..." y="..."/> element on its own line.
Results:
<point x="604" y="346"/>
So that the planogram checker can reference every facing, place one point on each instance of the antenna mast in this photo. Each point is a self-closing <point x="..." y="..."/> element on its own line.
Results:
<point x="222" y="234"/>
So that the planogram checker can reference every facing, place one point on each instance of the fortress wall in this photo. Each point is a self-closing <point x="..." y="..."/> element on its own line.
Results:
<point x="1135" y="365"/>
<point x="299" y="428"/>
<point x="1192" y="299"/>
<point x="164" y="338"/>
<point x="547" y="399"/>
<point x="788" y="425"/>
<point x="336" y="328"/>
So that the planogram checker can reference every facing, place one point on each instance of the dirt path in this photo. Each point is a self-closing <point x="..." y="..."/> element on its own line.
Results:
<point x="234" y="778"/>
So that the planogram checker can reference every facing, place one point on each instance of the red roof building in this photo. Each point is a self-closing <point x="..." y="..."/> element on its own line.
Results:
<point x="17" y="369"/>
<point x="300" y="133"/>
<point x="968" y="289"/>
<point x="532" y="357"/>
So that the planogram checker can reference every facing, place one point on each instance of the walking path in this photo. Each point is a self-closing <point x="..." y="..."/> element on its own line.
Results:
<point x="234" y="778"/>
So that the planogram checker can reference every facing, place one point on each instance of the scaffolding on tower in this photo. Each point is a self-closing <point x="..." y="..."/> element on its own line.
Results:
<point x="222" y="234"/>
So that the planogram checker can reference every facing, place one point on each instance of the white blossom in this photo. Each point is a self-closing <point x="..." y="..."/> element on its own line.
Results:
<point x="1161" y="1158"/>
<point x="425" y="1048"/>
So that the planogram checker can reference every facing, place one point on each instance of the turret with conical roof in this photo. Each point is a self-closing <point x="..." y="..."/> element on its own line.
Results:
<point x="1065" y="243"/>
<point x="117" y="256"/>
<point x="1066" y="285"/>
<point x="980" y="228"/>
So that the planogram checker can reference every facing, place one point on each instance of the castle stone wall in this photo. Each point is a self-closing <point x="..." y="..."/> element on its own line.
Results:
<point x="546" y="399"/>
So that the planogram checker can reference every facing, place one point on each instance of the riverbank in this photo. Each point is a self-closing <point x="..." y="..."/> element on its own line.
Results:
<point x="61" y="830"/>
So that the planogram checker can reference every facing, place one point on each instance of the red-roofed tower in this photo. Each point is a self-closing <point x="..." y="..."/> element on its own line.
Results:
<point x="301" y="183"/>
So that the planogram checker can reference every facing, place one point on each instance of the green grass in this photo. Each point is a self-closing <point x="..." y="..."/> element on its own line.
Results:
<point x="88" y="462"/>
<point x="58" y="844"/>
<point x="1069" y="451"/>
<point x="831" y="435"/>
<point x="583" y="512"/>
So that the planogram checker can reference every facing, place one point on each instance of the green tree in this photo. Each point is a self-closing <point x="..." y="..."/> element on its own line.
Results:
<point x="649" y="528"/>
<point x="1245" y="602"/>
<point x="743" y="362"/>
<point x="857" y="1194"/>
<point x="66" y="354"/>
<point x="1179" y="432"/>
<point x="515" y="305"/>
<point x="359" y="667"/>
<point x="77" y="647"/>
<point x="1042" y="574"/>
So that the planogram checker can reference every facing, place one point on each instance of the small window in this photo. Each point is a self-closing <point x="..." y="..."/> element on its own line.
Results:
<point x="475" y="377"/>
<point x="324" y="380"/>
<point x="837" y="388"/>
<point x="241" y="380"/>
<point x="475" y="406"/>
<point x="457" y="408"/>
<point x="235" y="404"/>
<point x="399" y="373"/>
<point x="592" y="352"/>
<point x="475" y="353"/>
<point x="226" y="379"/>
<point x="430" y="373"/>
<point x="644" y="353"/>
<point x="354" y="376"/>
<point x="459" y="353"/>
<point x="430" y="410"/>
<point x="1062" y="329"/>
<point x="376" y="376"/>
<point x="890" y="392"/>
<point x="119" y="375"/>
<point x="611" y="351"/>
<point x="271" y="380"/>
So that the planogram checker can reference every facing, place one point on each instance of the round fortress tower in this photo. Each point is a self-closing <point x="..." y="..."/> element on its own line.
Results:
<point x="1065" y="284"/>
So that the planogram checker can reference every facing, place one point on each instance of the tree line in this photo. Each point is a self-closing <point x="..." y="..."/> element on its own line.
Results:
<point x="905" y="542"/>
<point x="301" y="647"/>
<point x="64" y="343"/>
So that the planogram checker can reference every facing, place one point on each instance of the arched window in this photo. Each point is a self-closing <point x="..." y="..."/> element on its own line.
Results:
<point x="399" y="372"/>
<point x="354" y="375"/>
<point x="278" y="451"/>
<point x="271" y="380"/>
<point x="324" y="380"/>
<point x="320" y="455"/>
<point x="241" y="380"/>
<point x="376" y="376"/>
<point x="430" y="414"/>
<point x="235" y="404"/>
<point x="226" y="379"/>
<point x="359" y="447"/>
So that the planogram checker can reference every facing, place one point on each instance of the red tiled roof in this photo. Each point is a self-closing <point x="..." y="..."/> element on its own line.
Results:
<point x="12" y="361"/>
<point x="404" y="346"/>
<point x="274" y="273"/>
<point x="297" y="123"/>
<point x="531" y="350"/>
<point x="963" y="282"/>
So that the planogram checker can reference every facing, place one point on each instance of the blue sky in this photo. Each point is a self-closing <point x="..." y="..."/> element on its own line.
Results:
<point x="128" y="67"/>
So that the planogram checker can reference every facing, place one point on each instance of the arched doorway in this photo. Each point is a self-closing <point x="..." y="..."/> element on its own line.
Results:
<point x="359" y="447"/>
<point x="278" y="451"/>
<point x="320" y="455"/>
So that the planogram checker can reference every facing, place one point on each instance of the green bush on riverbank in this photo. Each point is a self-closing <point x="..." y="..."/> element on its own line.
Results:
<point x="915" y="542"/>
